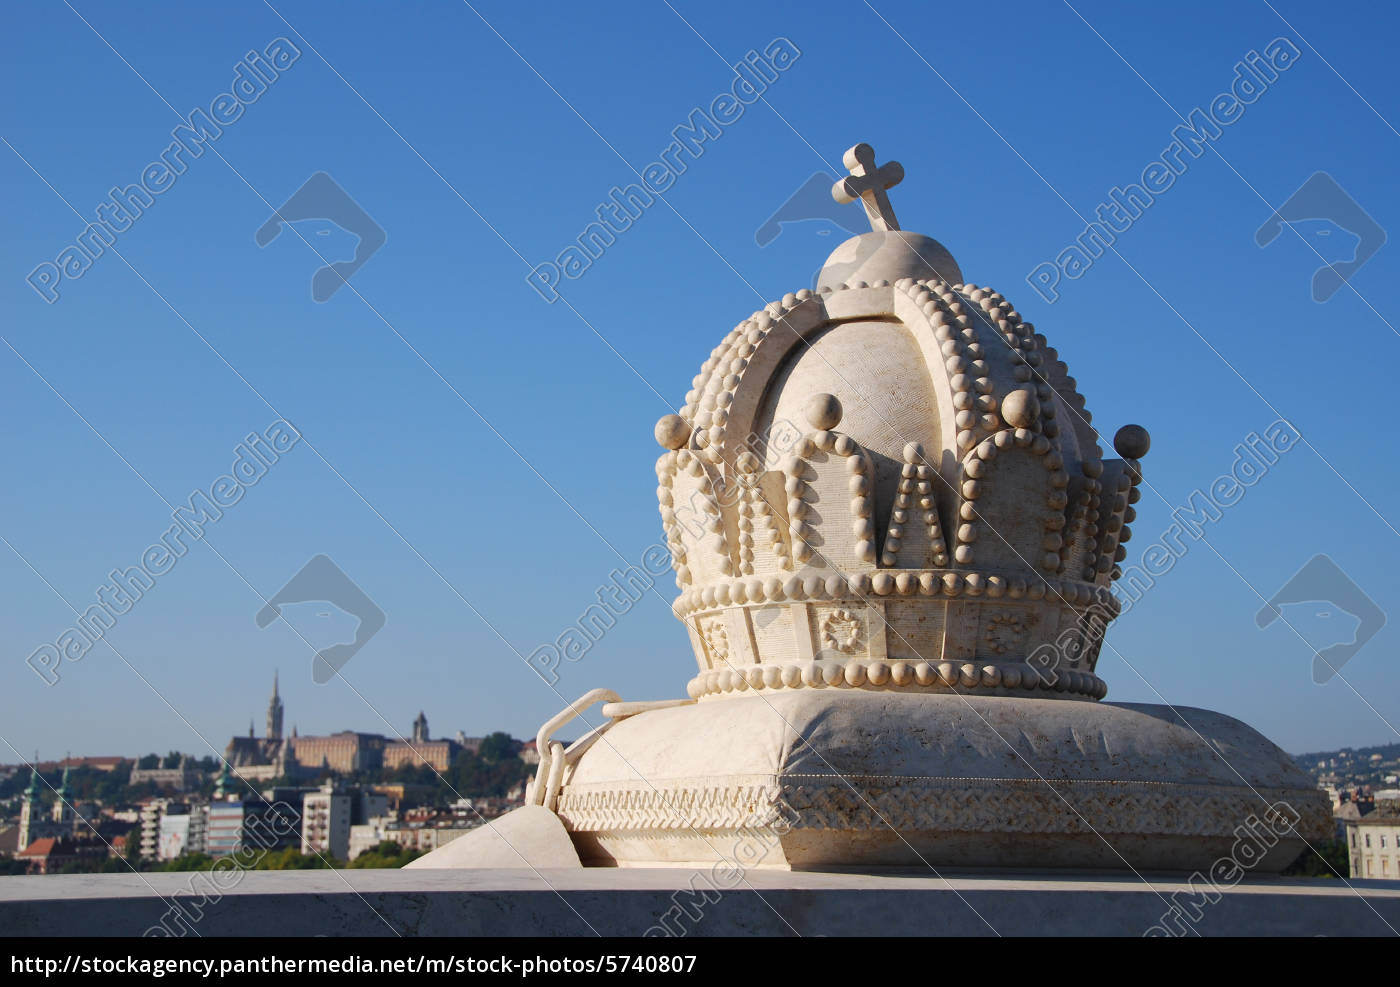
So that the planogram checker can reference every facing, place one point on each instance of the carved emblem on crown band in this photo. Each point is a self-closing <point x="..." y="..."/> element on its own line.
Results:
<point x="841" y="631"/>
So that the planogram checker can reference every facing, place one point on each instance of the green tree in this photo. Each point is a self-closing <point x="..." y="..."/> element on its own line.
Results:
<point x="386" y="854"/>
<point x="473" y="776"/>
<point x="110" y="786"/>
<point x="186" y="861"/>
<point x="1329" y="859"/>
<point x="291" y="858"/>
<point x="497" y="746"/>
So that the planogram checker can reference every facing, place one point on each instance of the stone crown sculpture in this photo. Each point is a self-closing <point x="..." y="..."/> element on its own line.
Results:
<point x="892" y="483"/>
<point x="894" y="533"/>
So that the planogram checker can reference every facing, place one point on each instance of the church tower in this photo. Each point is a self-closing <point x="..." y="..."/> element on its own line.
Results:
<point x="29" y="821"/>
<point x="274" y="713"/>
<point x="420" y="728"/>
<point x="63" y="814"/>
<point x="223" y="788"/>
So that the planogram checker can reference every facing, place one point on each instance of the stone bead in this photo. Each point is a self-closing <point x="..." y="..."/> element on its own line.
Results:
<point x="823" y="411"/>
<point x="1132" y="442"/>
<point x="1020" y="408"/>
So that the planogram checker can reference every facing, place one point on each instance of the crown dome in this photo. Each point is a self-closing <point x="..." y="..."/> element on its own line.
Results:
<point x="893" y="484"/>
<point x="888" y="255"/>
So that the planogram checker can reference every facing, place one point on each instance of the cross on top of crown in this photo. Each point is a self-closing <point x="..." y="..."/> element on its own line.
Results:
<point x="868" y="183"/>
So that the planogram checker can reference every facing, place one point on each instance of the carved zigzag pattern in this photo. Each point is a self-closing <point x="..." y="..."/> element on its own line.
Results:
<point x="952" y="805"/>
<point x="666" y="808"/>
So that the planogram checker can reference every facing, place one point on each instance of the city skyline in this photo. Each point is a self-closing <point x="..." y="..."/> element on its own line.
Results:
<point x="276" y="727"/>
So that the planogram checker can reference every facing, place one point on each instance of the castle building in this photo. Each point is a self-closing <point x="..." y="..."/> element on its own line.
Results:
<point x="436" y="754"/>
<point x="184" y="777"/>
<point x="273" y="756"/>
<point x="344" y="752"/>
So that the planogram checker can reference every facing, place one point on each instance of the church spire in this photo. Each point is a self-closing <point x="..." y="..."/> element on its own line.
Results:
<point x="274" y="712"/>
<point x="63" y="813"/>
<point x="30" y="824"/>
<point x="224" y="787"/>
<point x="31" y="794"/>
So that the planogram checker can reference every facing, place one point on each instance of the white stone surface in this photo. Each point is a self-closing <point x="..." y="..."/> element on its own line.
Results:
<point x="868" y="182"/>
<point x="855" y="777"/>
<point x="611" y="902"/>
<point x="949" y="507"/>
<point x="530" y="836"/>
<point x="888" y="256"/>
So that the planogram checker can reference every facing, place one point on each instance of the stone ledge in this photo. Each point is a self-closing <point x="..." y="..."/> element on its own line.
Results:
<point x="628" y="902"/>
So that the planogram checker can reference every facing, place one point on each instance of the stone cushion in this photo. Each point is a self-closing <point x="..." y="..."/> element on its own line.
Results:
<point x="884" y="779"/>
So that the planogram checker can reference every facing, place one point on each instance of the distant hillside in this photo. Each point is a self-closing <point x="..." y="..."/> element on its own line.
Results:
<point x="1354" y="767"/>
<point x="1388" y="752"/>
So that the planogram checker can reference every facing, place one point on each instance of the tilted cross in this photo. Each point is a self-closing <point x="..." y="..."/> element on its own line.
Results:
<point x="868" y="183"/>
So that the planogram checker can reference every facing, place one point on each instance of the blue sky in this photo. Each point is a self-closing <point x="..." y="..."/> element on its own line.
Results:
<point x="480" y="461"/>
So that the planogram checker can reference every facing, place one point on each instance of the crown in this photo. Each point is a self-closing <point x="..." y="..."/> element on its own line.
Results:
<point x="891" y="482"/>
